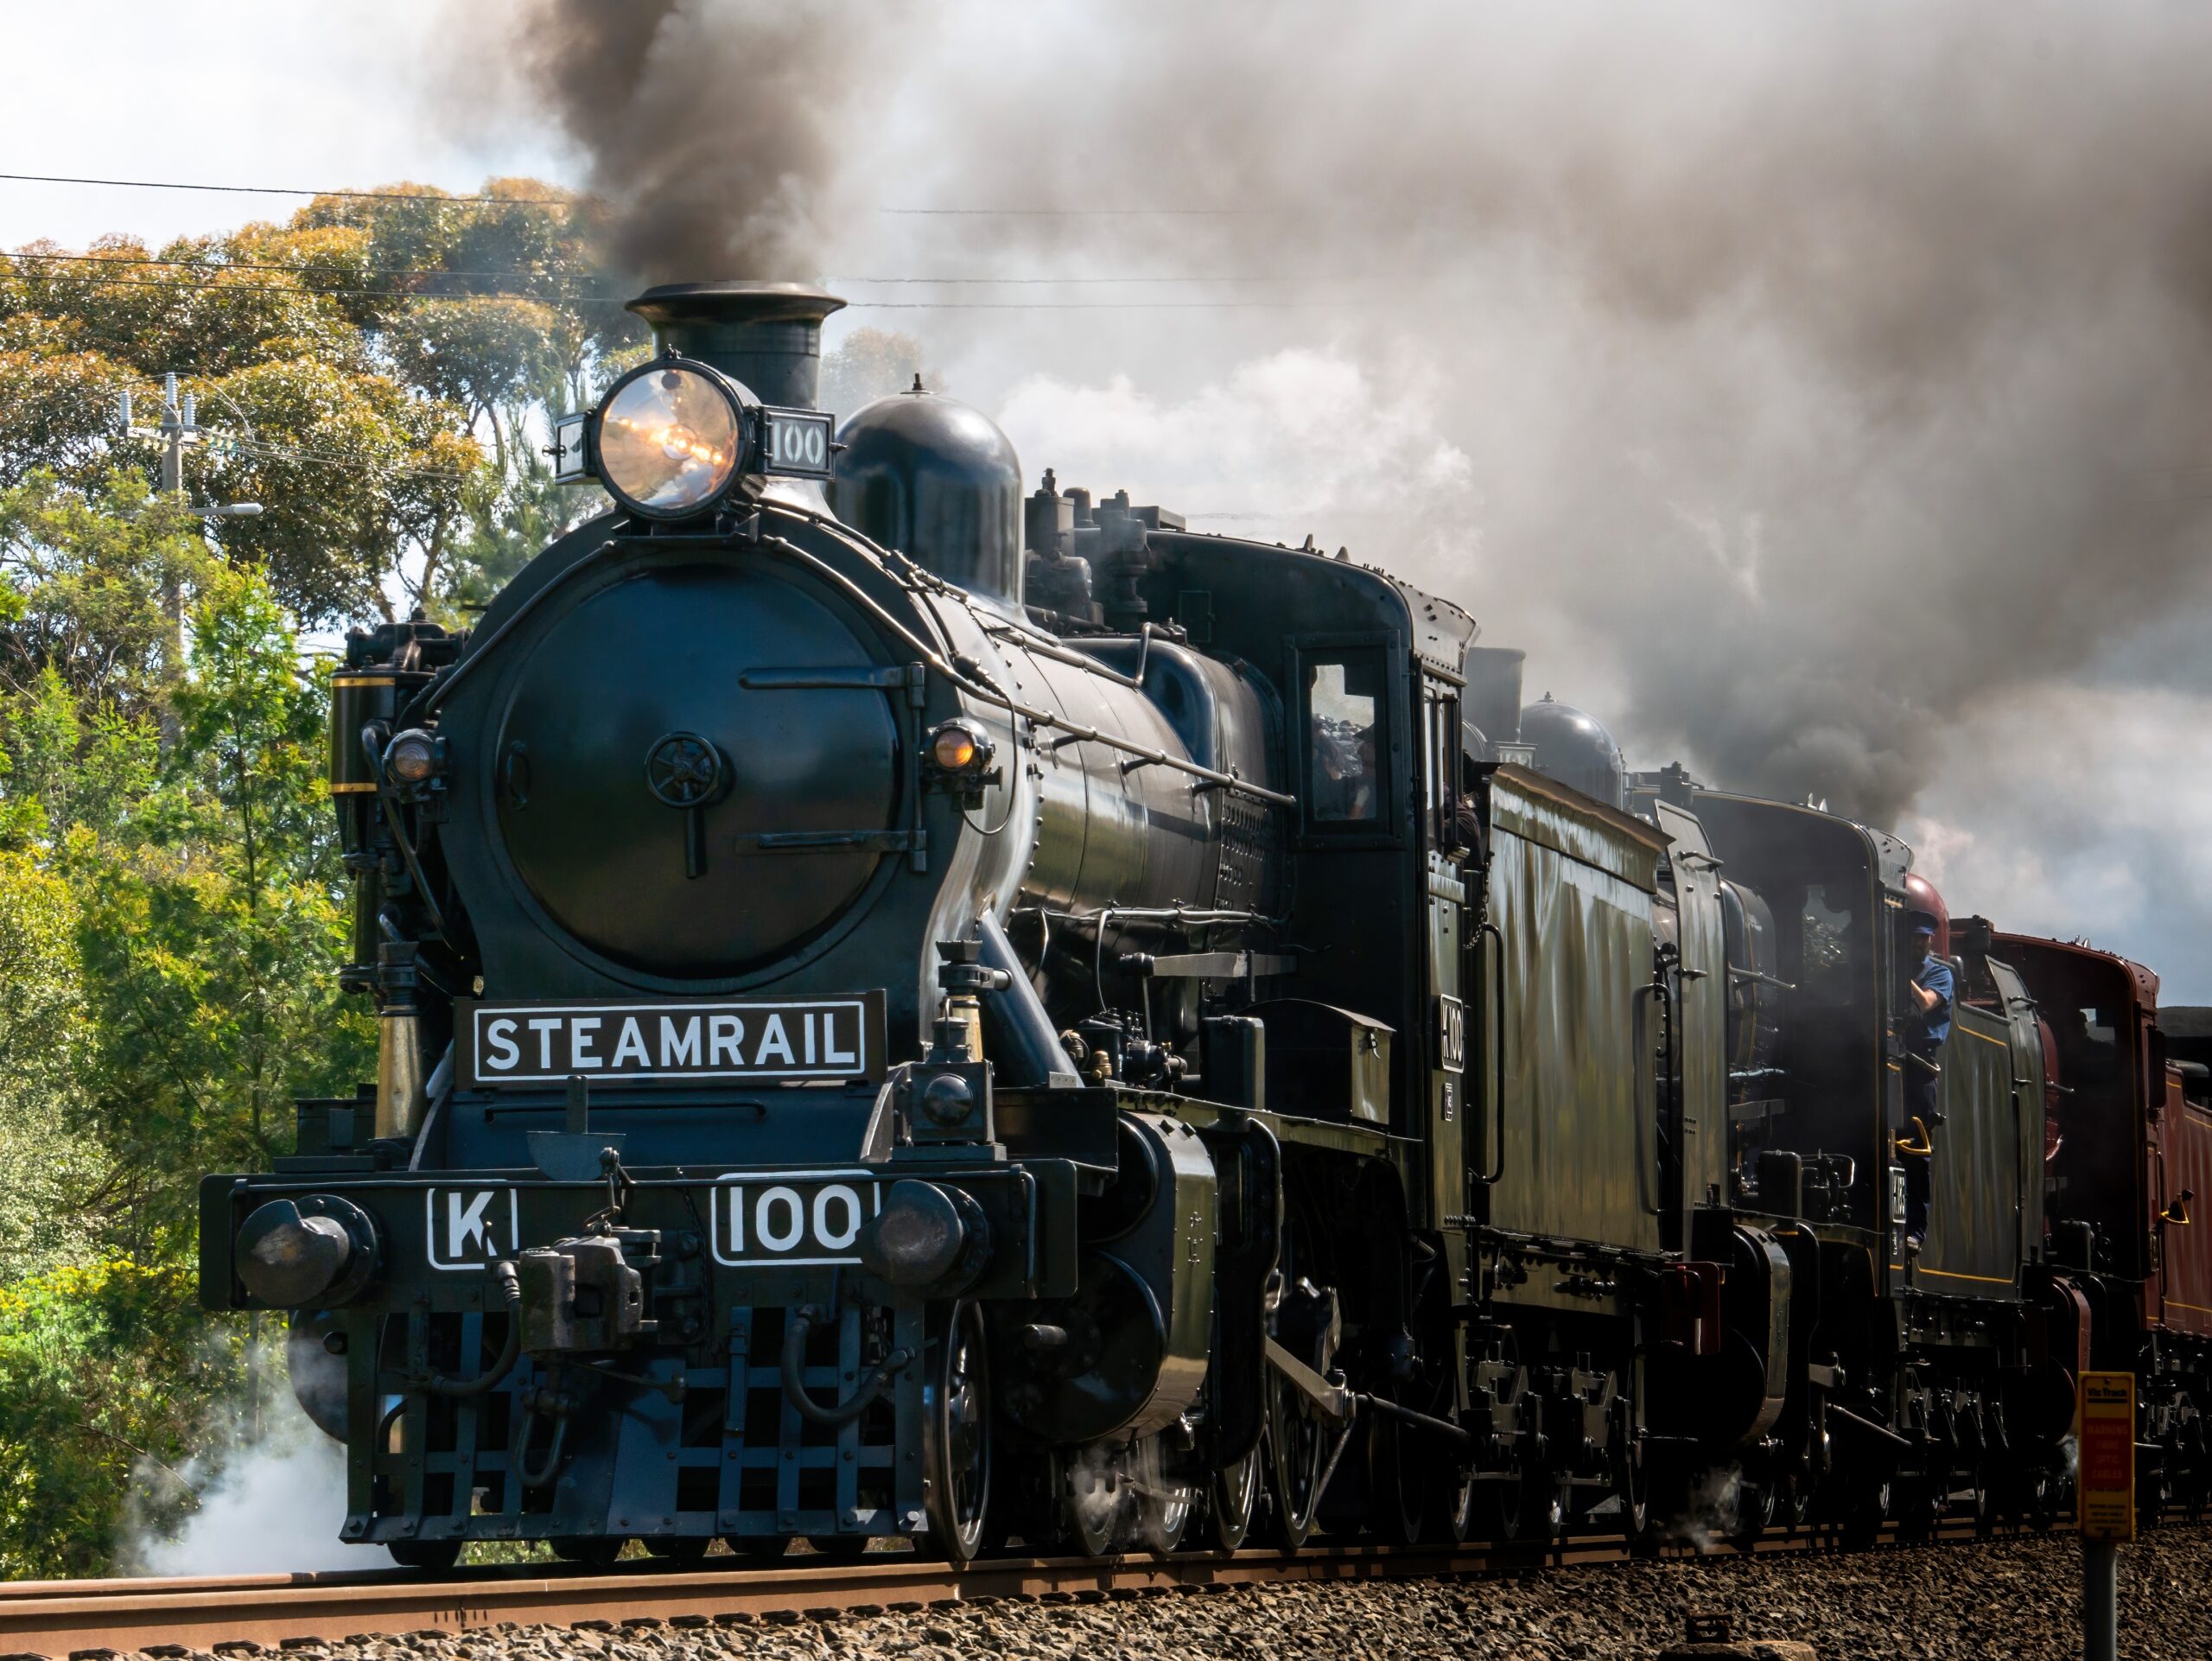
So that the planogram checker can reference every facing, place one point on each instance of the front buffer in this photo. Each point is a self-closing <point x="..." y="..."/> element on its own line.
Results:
<point x="584" y="1353"/>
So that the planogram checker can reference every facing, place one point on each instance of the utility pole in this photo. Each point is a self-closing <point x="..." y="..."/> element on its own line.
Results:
<point x="179" y="429"/>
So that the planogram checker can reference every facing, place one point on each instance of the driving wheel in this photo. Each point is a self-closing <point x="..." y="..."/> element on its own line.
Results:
<point x="1090" y="1499"/>
<point x="1231" y="1495"/>
<point x="1164" y="1500"/>
<point x="1294" y="1445"/>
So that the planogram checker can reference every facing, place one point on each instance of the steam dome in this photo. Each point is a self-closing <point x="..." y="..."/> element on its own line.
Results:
<point x="1575" y="749"/>
<point x="939" y="482"/>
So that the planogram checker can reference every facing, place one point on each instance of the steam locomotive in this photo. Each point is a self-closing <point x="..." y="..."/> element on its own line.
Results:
<point x="914" y="1008"/>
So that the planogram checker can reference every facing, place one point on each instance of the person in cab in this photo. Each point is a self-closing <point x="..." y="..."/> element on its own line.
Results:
<point x="1927" y="1021"/>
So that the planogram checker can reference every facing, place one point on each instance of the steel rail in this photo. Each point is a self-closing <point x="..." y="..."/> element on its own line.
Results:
<point x="56" y="1618"/>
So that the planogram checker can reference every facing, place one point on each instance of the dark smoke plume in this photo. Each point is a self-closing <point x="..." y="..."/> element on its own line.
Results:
<point x="705" y="122"/>
<point x="1822" y="372"/>
<point x="1825" y="370"/>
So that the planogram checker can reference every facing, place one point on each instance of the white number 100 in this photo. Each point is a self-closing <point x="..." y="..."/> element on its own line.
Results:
<point x="799" y="444"/>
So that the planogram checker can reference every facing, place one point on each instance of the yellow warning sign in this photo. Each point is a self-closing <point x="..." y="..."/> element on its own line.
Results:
<point x="2106" y="1504"/>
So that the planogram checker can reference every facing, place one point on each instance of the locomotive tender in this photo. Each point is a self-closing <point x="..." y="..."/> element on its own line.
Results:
<point x="912" y="1008"/>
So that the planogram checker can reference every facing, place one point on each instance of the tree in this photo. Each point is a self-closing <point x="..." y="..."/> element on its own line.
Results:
<point x="51" y="1167"/>
<point x="212" y="931"/>
<point x="88" y="579"/>
<point x="105" y="1371"/>
<point x="870" y="364"/>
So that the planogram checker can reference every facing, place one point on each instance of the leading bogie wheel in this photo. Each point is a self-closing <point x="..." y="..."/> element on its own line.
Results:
<point x="1543" y="1507"/>
<point x="432" y="1556"/>
<point x="957" y="1436"/>
<point x="1754" y="1509"/>
<point x="758" y="1548"/>
<point x="1397" y="1483"/>
<point x="1450" y="1502"/>
<point x="591" y="1550"/>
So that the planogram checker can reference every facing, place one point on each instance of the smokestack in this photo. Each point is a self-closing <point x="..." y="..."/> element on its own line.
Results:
<point x="766" y="335"/>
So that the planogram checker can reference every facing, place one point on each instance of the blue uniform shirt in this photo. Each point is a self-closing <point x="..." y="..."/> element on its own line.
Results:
<point x="1933" y="1025"/>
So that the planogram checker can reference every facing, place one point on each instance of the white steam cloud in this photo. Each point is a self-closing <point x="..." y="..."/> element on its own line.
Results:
<point x="270" y="1500"/>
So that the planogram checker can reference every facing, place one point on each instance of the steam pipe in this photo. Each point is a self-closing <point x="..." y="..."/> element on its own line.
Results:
<point x="1024" y="1029"/>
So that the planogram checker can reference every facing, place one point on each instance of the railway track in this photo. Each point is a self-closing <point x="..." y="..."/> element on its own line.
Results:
<point x="236" y="1614"/>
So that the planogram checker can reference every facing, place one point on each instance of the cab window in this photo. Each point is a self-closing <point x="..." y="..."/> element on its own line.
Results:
<point x="1346" y="737"/>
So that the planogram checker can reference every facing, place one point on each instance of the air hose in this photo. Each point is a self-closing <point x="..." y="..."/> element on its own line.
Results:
<point x="794" y="1367"/>
<point x="511" y="1289"/>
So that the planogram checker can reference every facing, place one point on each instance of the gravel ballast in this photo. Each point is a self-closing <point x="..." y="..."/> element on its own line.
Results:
<point x="2007" y="1598"/>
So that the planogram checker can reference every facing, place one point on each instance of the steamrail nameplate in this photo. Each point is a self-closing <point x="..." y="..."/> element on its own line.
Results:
<point x="681" y="1041"/>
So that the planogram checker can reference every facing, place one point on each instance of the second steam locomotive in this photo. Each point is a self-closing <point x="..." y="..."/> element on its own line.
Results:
<point x="912" y="1008"/>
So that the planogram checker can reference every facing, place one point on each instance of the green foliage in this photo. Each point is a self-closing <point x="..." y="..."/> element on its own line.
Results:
<point x="171" y="918"/>
<point x="90" y="584"/>
<point x="52" y="1167"/>
<point x="381" y="374"/>
<point x="382" y="371"/>
<point x="106" y="1373"/>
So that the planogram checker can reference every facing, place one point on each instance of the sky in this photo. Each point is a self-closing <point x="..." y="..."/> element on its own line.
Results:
<point x="1821" y="395"/>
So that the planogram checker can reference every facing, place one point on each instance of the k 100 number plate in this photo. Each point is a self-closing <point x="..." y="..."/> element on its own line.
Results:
<point x="741" y="1041"/>
<point x="798" y="1219"/>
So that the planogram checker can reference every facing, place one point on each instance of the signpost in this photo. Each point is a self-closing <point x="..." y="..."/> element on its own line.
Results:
<point x="2104" y="1503"/>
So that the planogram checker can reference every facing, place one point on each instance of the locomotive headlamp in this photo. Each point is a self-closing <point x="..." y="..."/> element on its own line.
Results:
<point x="412" y="757"/>
<point x="671" y="436"/>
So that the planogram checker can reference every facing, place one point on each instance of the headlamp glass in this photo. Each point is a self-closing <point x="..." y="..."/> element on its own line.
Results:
<point x="412" y="758"/>
<point x="954" y="748"/>
<point x="669" y="440"/>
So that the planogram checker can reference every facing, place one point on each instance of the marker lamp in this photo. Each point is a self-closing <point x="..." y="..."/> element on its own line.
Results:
<point x="412" y="757"/>
<point x="959" y="747"/>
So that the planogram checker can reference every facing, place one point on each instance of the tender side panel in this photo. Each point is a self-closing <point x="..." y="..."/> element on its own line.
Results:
<point x="1702" y="1024"/>
<point x="1570" y="889"/>
<point x="2186" y="1248"/>
<point x="1977" y="1172"/>
<point x="2029" y="1086"/>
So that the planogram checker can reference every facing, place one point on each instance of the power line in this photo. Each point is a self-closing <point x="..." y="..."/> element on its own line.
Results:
<point x="294" y="190"/>
<point x="1088" y="305"/>
<point x="1081" y="282"/>
<point x="571" y="201"/>
<point x="1062" y="212"/>
<point x="219" y="291"/>
<point x="281" y="267"/>
<point x="221" y="288"/>
<point x="221" y="265"/>
<point x="354" y="459"/>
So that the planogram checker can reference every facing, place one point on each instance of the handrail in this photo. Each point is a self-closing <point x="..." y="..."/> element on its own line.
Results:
<point x="1640" y="1039"/>
<point x="1496" y="979"/>
<point x="967" y="675"/>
